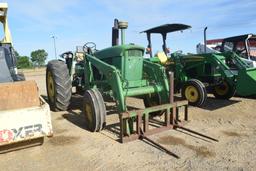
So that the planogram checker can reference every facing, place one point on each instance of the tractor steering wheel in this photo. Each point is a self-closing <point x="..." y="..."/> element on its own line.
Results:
<point x="178" y="52"/>
<point x="89" y="47"/>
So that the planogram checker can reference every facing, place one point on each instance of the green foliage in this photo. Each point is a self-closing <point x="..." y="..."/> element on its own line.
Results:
<point x="38" y="57"/>
<point x="23" y="62"/>
<point x="17" y="55"/>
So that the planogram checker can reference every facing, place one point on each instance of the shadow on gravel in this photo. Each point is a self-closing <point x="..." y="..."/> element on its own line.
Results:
<point x="75" y="118"/>
<point x="214" y="104"/>
<point x="76" y="102"/>
<point x="74" y="113"/>
<point x="114" y="129"/>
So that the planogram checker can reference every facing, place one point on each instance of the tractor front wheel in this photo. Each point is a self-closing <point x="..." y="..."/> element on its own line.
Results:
<point x="223" y="91"/>
<point x="94" y="110"/>
<point x="58" y="84"/>
<point x="195" y="92"/>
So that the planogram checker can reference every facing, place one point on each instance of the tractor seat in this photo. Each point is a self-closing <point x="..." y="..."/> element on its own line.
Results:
<point x="79" y="56"/>
<point x="162" y="57"/>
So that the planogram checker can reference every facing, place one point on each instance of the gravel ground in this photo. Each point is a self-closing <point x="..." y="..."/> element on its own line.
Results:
<point x="74" y="148"/>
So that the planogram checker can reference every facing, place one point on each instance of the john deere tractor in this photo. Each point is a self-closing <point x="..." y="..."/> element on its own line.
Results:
<point x="113" y="73"/>
<point x="222" y="74"/>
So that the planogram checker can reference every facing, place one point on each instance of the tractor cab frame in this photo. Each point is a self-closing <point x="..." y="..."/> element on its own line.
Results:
<point x="163" y="30"/>
<point x="243" y="45"/>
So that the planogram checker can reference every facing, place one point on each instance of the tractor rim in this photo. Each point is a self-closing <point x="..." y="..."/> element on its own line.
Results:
<point x="191" y="94"/>
<point x="50" y="87"/>
<point x="89" y="113"/>
<point x="222" y="89"/>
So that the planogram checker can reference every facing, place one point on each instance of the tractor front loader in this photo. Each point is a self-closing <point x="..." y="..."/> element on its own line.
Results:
<point x="24" y="116"/>
<point x="116" y="73"/>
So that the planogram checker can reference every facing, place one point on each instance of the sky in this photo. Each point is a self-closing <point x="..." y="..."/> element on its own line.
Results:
<point x="75" y="22"/>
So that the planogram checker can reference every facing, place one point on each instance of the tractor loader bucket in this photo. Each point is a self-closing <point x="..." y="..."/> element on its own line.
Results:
<point x="24" y="115"/>
<point x="246" y="82"/>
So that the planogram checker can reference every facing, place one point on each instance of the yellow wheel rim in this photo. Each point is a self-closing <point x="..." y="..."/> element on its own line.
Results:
<point x="88" y="110"/>
<point x="191" y="94"/>
<point x="50" y="86"/>
<point x="222" y="89"/>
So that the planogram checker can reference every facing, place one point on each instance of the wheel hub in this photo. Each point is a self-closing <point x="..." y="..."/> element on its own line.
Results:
<point x="191" y="94"/>
<point x="222" y="89"/>
<point x="88" y="110"/>
<point x="50" y="86"/>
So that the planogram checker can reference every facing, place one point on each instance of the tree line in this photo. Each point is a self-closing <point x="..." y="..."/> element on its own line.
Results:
<point x="37" y="59"/>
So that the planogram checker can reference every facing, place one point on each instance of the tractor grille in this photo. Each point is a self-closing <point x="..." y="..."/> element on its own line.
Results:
<point x="135" y="52"/>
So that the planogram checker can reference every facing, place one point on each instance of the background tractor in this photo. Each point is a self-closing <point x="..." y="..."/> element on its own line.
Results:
<point x="113" y="73"/>
<point x="243" y="45"/>
<point x="222" y="74"/>
<point x="24" y="115"/>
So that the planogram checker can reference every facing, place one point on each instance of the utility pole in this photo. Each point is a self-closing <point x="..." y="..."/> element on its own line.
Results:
<point x="54" y="44"/>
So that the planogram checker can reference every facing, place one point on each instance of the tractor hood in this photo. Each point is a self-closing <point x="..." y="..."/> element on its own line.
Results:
<point x="117" y="51"/>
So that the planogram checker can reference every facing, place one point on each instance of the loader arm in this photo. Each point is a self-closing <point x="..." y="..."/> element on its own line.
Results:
<point x="112" y="75"/>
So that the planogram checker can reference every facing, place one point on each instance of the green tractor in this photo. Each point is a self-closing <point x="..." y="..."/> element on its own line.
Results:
<point x="113" y="73"/>
<point x="222" y="74"/>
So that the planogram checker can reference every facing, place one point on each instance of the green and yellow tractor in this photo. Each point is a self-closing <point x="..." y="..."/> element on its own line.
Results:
<point x="222" y="74"/>
<point x="115" y="73"/>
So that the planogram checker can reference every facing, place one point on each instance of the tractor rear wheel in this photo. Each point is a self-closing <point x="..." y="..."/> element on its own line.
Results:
<point x="224" y="91"/>
<point x="195" y="92"/>
<point x="94" y="110"/>
<point x="58" y="84"/>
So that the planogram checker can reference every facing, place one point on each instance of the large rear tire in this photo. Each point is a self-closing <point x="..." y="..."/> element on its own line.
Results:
<point x="59" y="85"/>
<point x="195" y="92"/>
<point x="94" y="110"/>
<point x="224" y="91"/>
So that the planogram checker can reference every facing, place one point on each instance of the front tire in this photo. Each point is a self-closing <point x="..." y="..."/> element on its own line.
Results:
<point x="195" y="92"/>
<point x="58" y="84"/>
<point x="94" y="110"/>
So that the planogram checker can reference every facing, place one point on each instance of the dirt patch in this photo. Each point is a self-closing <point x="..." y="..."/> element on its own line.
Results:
<point x="236" y="116"/>
<point x="233" y="134"/>
<point x="168" y="140"/>
<point x="63" y="140"/>
<point x="59" y="131"/>
<point x="60" y="118"/>
<point x="200" y="151"/>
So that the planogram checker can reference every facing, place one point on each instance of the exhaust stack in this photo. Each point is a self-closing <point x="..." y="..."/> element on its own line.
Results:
<point x="115" y="33"/>
<point x="122" y="25"/>
<point x="205" y="42"/>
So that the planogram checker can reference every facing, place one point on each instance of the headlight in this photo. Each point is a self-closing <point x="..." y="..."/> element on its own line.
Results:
<point x="65" y="56"/>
